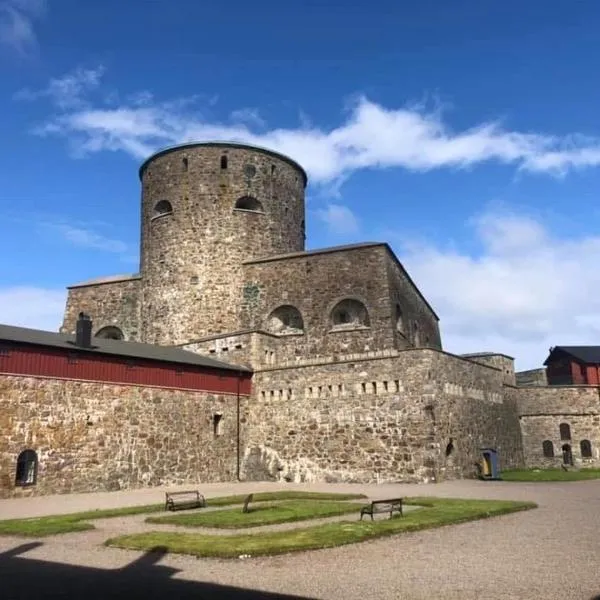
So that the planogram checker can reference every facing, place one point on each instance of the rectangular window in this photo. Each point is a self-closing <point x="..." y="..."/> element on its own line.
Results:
<point x="397" y="385"/>
<point x="385" y="386"/>
<point x="364" y="388"/>
<point x="217" y="424"/>
<point x="374" y="385"/>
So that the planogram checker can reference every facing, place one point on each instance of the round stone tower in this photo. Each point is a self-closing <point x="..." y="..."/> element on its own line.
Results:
<point x="207" y="208"/>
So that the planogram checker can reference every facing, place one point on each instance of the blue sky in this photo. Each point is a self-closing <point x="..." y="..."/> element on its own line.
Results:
<point x="464" y="133"/>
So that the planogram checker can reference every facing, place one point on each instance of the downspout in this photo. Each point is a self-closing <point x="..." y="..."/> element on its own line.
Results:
<point x="238" y="465"/>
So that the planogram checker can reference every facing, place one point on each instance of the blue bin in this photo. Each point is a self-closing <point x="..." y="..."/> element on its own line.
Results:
<point x="489" y="464"/>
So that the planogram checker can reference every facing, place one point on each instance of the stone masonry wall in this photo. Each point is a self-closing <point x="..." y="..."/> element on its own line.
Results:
<point x="115" y="303"/>
<point x="474" y="408"/>
<point x="314" y="283"/>
<point x="191" y="257"/>
<point x="352" y="421"/>
<point x="544" y="408"/>
<point x="415" y="324"/>
<point x="98" y="437"/>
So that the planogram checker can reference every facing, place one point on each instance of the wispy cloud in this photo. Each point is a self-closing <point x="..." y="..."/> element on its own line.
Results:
<point x="71" y="90"/>
<point x="30" y="306"/>
<point x="370" y="136"/>
<point x="529" y="289"/>
<point x="339" y="219"/>
<point x="17" y="18"/>
<point x="83" y="236"/>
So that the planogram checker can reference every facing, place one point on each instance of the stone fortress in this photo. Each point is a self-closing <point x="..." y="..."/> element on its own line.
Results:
<point x="351" y="382"/>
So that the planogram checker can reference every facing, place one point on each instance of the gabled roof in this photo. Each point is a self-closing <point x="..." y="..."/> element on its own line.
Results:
<point x="37" y="337"/>
<point x="584" y="354"/>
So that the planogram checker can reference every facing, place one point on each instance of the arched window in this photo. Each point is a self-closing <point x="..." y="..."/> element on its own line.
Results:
<point x="416" y="334"/>
<point x="586" y="448"/>
<point x="565" y="431"/>
<point x="248" y="203"/>
<point x="567" y="454"/>
<point x="161" y="208"/>
<point x="110" y="333"/>
<point x="350" y="313"/>
<point x="27" y="464"/>
<point x="548" y="449"/>
<point x="285" y="319"/>
<point x="399" y="319"/>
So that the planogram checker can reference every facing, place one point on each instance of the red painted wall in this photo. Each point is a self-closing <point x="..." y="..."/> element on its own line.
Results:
<point x="22" y="359"/>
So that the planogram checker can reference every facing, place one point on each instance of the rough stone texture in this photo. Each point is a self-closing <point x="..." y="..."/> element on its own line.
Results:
<point x="543" y="409"/>
<point x="136" y="436"/>
<point x="531" y="377"/>
<point x="113" y="303"/>
<point x="379" y="419"/>
<point x="500" y="361"/>
<point x="315" y="284"/>
<point x="191" y="260"/>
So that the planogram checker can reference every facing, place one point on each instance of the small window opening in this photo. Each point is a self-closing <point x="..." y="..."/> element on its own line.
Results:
<point x="565" y="431"/>
<point x="248" y="203"/>
<point x="27" y="464"/>
<point x="223" y="162"/>
<point x="548" y="449"/>
<point x="185" y="164"/>
<point x="385" y="386"/>
<point x="397" y="385"/>
<point x="586" y="449"/>
<point x="364" y="388"/>
<point x="374" y="385"/>
<point x="263" y="396"/>
<point x="217" y="424"/>
<point x="449" y="447"/>
<point x="162" y="208"/>
<point x="238" y="346"/>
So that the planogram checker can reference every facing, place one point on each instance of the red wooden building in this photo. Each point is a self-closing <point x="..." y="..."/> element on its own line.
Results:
<point x="31" y="352"/>
<point x="573" y="365"/>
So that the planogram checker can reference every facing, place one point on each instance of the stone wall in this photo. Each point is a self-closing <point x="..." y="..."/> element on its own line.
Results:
<point x="192" y="251"/>
<point x="474" y="408"/>
<point x="380" y="419"/>
<point x="98" y="437"/>
<point x="532" y="377"/>
<point x="415" y="323"/>
<point x="542" y="411"/>
<point x="504" y="363"/>
<point x="350" y="421"/>
<point x="109" y="303"/>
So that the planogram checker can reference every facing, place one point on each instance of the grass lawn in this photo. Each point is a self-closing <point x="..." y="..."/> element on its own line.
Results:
<point x="549" y="475"/>
<point x="55" y="524"/>
<point x="436" y="513"/>
<point x="264" y="513"/>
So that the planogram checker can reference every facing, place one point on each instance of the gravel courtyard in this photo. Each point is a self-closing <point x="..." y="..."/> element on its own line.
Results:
<point x="552" y="552"/>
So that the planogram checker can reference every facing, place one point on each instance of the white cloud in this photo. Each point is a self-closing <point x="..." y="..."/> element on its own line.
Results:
<point x="251" y="116"/>
<point x="70" y="91"/>
<point x="340" y="219"/>
<point x="528" y="289"/>
<point x="371" y="136"/>
<point x="84" y="237"/>
<point x="17" y="19"/>
<point x="34" y="307"/>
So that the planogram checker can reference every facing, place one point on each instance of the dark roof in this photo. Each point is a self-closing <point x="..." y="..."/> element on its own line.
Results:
<point x="37" y="337"/>
<point x="584" y="354"/>
<point x="220" y="144"/>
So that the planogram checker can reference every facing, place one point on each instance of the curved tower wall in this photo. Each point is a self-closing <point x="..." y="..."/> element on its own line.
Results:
<point x="191" y="257"/>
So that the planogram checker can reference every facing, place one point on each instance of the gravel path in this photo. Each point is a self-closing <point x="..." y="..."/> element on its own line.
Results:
<point x="549" y="553"/>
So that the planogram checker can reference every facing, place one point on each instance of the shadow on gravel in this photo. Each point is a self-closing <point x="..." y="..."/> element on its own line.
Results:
<point x="22" y="578"/>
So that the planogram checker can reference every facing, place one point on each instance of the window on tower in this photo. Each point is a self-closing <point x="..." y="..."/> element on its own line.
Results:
<point x="248" y="203"/>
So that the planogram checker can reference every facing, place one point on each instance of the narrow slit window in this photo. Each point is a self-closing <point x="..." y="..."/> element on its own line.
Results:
<point x="223" y="162"/>
<point x="217" y="424"/>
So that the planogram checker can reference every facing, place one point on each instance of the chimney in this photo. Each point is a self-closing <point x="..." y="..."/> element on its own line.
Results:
<point x="83" y="332"/>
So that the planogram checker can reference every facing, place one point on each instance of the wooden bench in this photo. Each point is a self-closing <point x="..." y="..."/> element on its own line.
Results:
<point x="247" y="501"/>
<point x="186" y="499"/>
<point x="381" y="506"/>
